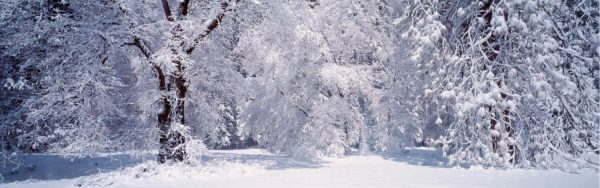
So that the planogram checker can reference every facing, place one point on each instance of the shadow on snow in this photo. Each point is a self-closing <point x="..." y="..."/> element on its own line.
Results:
<point x="55" y="167"/>
<point x="271" y="162"/>
<point x="419" y="156"/>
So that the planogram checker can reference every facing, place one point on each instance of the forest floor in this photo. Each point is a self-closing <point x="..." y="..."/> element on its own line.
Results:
<point x="417" y="167"/>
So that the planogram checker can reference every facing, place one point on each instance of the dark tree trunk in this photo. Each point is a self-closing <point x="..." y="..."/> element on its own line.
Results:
<point x="172" y="141"/>
<point x="184" y="7"/>
<point x="491" y="49"/>
<point x="171" y="120"/>
<point x="167" y="10"/>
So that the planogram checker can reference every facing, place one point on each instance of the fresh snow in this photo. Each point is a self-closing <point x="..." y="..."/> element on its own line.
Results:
<point x="417" y="167"/>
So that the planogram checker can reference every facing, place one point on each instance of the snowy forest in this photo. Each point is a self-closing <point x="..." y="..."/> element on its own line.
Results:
<point x="506" y="85"/>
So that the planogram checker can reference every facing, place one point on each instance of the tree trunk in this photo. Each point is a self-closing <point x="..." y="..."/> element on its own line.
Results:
<point x="491" y="48"/>
<point x="171" y="121"/>
<point x="171" y="140"/>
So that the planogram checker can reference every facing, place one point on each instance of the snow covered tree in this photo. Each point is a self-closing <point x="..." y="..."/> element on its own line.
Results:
<point x="563" y="66"/>
<point x="70" y="80"/>
<point x="313" y="68"/>
<point x="502" y="91"/>
<point x="87" y="52"/>
<point x="169" y="64"/>
<point x="502" y="83"/>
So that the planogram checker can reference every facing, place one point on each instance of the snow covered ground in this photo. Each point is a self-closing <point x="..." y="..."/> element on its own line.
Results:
<point x="257" y="168"/>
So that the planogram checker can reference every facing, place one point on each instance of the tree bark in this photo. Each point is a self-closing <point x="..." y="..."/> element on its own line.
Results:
<point x="173" y="85"/>
<point x="491" y="49"/>
<point x="184" y="6"/>
<point x="167" y="10"/>
<point x="172" y="140"/>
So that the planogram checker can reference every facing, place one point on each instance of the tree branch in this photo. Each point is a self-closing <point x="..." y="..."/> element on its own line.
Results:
<point x="159" y="73"/>
<point x="214" y="23"/>
<point x="184" y="7"/>
<point x="138" y="43"/>
<point x="167" y="9"/>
